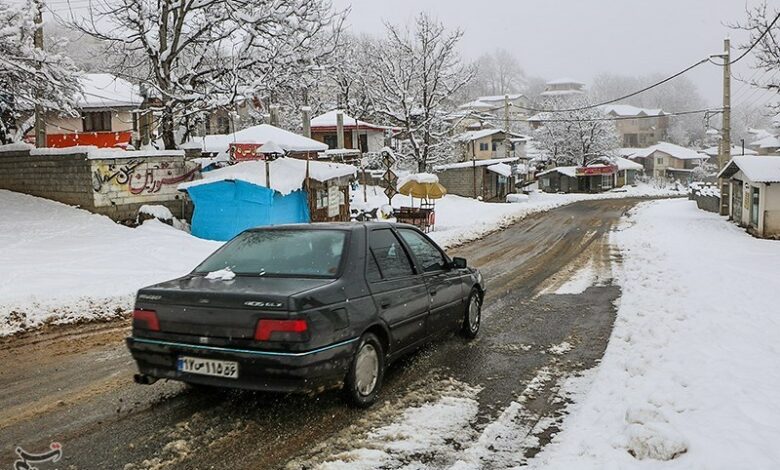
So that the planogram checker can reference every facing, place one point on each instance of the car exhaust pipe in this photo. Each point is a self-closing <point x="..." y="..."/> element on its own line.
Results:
<point x="144" y="379"/>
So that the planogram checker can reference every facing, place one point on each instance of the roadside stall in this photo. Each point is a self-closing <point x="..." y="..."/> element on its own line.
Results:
<point x="426" y="187"/>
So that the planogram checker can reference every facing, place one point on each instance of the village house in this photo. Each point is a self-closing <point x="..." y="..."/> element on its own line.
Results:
<point x="638" y="127"/>
<point x="361" y="135"/>
<point x="562" y="88"/>
<point x="765" y="144"/>
<point x="669" y="161"/>
<point x="486" y="179"/>
<point x="258" y="193"/>
<point x="488" y="144"/>
<point x="106" y="115"/>
<point x="754" y="194"/>
<point x="243" y="145"/>
<point x="592" y="178"/>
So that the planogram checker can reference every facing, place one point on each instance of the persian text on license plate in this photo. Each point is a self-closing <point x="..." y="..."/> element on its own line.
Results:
<point x="199" y="365"/>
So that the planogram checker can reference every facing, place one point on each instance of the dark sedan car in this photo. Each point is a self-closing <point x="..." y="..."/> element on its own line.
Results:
<point x="304" y="308"/>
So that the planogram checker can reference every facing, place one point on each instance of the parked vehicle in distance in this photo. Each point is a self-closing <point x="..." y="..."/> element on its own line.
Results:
<point x="304" y="308"/>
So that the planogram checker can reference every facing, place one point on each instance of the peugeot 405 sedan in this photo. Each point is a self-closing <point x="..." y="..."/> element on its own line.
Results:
<point x="306" y="307"/>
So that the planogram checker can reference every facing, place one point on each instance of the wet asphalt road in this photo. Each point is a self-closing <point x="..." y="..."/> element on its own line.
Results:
<point x="74" y="385"/>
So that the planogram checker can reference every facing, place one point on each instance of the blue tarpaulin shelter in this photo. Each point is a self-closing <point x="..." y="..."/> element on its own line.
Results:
<point x="224" y="209"/>
<point x="235" y="198"/>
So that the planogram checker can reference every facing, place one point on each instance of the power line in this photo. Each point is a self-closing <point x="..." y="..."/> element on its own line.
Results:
<point x="752" y="46"/>
<point x="617" y="118"/>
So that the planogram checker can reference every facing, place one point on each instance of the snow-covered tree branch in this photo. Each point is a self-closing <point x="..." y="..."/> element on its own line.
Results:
<point x="29" y="76"/>
<point x="576" y="137"/>
<point x="197" y="55"/>
<point x="414" y="73"/>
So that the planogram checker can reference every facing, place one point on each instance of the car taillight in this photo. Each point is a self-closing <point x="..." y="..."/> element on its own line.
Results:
<point x="290" y="329"/>
<point x="146" y="319"/>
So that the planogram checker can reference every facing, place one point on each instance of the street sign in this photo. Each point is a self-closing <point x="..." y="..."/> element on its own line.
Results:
<point x="333" y="201"/>
<point x="390" y="178"/>
<point x="387" y="159"/>
<point x="390" y="192"/>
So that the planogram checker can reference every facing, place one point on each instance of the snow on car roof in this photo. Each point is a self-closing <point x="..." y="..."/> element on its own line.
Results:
<point x="286" y="174"/>
<point x="759" y="169"/>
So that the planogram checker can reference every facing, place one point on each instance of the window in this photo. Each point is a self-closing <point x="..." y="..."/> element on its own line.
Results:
<point x="322" y="198"/>
<point x="372" y="271"/>
<point x="97" y="122"/>
<point x="390" y="256"/>
<point x="659" y="160"/>
<point x="331" y="140"/>
<point x="606" y="181"/>
<point x="495" y="146"/>
<point x="754" y="200"/>
<point x="280" y="253"/>
<point x="429" y="257"/>
<point x="483" y="146"/>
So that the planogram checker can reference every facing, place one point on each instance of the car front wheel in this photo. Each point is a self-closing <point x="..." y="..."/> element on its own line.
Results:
<point x="364" y="378"/>
<point x="473" y="316"/>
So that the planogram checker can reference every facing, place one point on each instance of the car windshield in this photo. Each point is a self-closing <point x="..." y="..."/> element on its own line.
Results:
<point x="283" y="253"/>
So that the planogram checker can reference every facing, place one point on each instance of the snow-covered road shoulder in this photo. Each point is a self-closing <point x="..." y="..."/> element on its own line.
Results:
<point x="62" y="264"/>
<point x="690" y="376"/>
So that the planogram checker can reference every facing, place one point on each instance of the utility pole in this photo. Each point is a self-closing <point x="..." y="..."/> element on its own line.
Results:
<point x="40" y="124"/>
<point x="506" y="126"/>
<point x="725" y="141"/>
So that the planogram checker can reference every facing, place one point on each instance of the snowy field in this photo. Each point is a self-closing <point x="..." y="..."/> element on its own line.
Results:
<point x="690" y="378"/>
<point x="61" y="264"/>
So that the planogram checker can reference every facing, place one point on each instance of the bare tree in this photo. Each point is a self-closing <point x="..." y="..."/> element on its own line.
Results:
<point x="497" y="73"/>
<point x="197" y="55"/>
<point x="29" y="76"/>
<point x="415" y="72"/>
<point x="576" y="137"/>
<point x="766" y="53"/>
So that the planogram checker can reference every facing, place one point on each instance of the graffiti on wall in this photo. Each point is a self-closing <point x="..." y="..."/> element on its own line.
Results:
<point x="139" y="177"/>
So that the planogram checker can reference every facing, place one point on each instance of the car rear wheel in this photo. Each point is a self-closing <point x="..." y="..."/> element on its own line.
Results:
<point x="473" y="316"/>
<point x="364" y="378"/>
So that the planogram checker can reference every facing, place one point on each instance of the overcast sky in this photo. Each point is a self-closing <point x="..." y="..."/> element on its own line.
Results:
<point x="582" y="38"/>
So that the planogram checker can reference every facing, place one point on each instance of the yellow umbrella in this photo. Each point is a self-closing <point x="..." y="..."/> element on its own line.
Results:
<point x="422" y="190"/>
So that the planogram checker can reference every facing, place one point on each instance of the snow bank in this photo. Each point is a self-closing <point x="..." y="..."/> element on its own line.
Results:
<point x="690" y="376"/>
<point x="157" y="211"/>
<point x="62" y="264"/>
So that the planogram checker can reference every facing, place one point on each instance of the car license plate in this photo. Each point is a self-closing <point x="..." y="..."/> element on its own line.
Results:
<point x="213" y="367"/>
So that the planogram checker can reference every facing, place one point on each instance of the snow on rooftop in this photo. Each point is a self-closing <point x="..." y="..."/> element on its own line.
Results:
<point x="767" y="142"/>
<point x="565" y="81"/>
<point x="286" y="174"/>
<point x="421" y="178"/>
<point x="103" y="90"/>
<point x="626" y="164"/>
<point x="735" y="151"/>
<point x="512" y="96"/>
<point x="471" y="163"/>
<point x="626" y="110"/>
<point x="476" y="135"/>
<point x="501" y="169"/>
<point x="261" y="134"/>
<point x="570" y="171"/>
<point x="329" y="120"/>
<point x="16" y="147"/>
<point x="676" y="151"/>
<point x="759" y="169"/>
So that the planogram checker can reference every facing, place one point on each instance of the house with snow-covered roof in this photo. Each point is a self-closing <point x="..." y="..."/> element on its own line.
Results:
<point x="487" y="179"/>
<point x="244" y="144"/>
<point x="669" y="161"/>
<point x="362" y="135"/>
<point x="106" y="115"/>
<point x="601" y="175"/>
<point x="489" y="143"/>
<point x="562" y="88"/>
<point x="754" y="193"/>
<point x="638" y="127"/>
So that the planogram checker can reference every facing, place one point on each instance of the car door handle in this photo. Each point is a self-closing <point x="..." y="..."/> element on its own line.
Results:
<point x="434" y="291"/>
<point x="384" y="304"/>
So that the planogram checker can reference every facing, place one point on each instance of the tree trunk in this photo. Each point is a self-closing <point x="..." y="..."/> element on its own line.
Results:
<point x="169" y="139"/>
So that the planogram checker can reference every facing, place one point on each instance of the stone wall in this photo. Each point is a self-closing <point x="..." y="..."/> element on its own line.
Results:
<point x="109" y="182"/>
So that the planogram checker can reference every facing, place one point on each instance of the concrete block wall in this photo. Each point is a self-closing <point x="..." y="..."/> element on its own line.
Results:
<point x="113" y="186"/>
<point x="460" y="181"/>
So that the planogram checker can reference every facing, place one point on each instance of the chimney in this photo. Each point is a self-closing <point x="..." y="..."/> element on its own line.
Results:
<point x="306" y="116"/>
<point x="340" y="129"/>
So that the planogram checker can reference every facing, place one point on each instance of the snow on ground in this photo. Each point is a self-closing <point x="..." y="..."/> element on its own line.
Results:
<point x="462" y="219"/>
<point x="690" y="378"/>
<point x="580" y="281"/>
<point x="63" y="264"/>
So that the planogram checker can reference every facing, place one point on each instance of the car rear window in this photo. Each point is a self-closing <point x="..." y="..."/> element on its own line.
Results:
<point x="282" y="253"/>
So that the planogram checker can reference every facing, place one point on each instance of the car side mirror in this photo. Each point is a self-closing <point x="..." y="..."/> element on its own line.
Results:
<point x="459" y="263"/>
